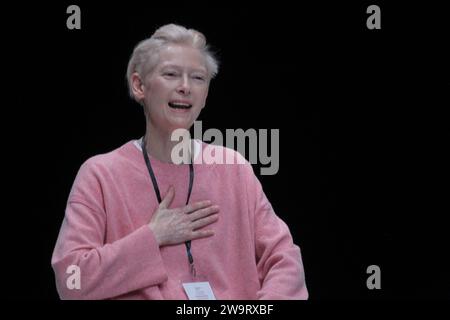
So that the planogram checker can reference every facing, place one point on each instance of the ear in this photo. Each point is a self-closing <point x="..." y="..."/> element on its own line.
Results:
<point x="137" y="87"/>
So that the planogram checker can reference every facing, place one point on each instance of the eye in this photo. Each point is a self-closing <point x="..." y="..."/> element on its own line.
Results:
<point x="199" y="77"/>
<point x="170" y="74"/>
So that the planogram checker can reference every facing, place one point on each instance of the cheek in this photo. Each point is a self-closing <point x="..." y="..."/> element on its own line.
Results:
<point x="156" y="91"/>
<point x="203" y="94"/>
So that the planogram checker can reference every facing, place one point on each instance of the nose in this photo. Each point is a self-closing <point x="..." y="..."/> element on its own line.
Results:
<point x="184" y="87"/>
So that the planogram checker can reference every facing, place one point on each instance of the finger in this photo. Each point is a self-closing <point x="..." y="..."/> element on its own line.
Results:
<point x="201" y="234"/>
<point x="203" y="212"/>
<point x="168" y="198"/>
<point x="196" y="206"/>
<point x="200" y="223"/>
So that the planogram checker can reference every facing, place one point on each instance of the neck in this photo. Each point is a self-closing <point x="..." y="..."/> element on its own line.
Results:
<point x="159" y="144"/>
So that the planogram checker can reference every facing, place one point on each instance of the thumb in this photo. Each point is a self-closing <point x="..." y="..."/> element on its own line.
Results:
<point x="168" y="198"/>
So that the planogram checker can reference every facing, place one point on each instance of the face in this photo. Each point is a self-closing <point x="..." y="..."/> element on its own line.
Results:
<point x="176" y="90"/>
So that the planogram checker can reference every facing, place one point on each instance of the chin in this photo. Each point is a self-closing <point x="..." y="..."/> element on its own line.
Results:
<point x="180" y="125"/>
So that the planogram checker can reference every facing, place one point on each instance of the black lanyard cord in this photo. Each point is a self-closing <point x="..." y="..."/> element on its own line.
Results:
<point x="158" y="195"/>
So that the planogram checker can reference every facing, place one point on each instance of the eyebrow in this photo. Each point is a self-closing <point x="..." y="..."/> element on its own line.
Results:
<point x="179" y="67"/>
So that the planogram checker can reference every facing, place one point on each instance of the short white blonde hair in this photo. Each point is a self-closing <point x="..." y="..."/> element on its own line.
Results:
<point x="146" y="53"/>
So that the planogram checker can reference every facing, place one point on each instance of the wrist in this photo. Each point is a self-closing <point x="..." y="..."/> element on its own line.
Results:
<point x="155" y="235"/>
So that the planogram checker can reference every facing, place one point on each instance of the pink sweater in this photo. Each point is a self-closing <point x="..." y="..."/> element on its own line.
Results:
<point x="105" y="233"/>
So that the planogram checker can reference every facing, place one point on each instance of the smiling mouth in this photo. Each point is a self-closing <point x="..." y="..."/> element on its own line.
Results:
<point x="180" y="105"/>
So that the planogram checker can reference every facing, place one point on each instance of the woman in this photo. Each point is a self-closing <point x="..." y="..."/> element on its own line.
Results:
<point x="139" y="226"/>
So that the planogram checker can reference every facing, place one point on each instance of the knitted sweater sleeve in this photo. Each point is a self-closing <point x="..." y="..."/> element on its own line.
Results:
<point x="104" y="270"/>
<point x="279" y="261"/>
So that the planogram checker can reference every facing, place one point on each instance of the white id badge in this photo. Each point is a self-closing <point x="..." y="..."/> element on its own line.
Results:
<point x="198" y="289"/>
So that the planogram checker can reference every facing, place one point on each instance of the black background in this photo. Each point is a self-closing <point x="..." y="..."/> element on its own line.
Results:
<point x="362" y="116"/>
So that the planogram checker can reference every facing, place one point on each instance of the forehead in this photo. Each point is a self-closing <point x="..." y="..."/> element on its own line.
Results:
<point x="183" y="57"/>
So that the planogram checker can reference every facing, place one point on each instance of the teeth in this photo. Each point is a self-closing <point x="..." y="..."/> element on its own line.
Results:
<point x="179" y="105"/>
